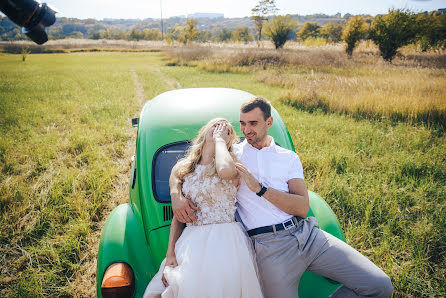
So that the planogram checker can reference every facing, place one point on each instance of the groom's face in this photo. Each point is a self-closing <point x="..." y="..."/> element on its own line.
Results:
<point x="254" y="126"/>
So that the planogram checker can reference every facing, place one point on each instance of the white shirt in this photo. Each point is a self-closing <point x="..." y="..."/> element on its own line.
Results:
<point x="273" y="166"/>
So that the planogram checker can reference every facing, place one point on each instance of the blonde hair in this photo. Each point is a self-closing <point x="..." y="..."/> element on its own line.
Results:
<point x="193" y="154"/>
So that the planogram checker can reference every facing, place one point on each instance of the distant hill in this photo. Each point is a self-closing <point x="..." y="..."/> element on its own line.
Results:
<point x="204" y="15"/>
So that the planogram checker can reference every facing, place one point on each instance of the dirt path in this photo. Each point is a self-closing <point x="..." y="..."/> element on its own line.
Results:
<point x="171" y="82"/>
<point x="139" y="89"/>
<point x="84" y="283"/>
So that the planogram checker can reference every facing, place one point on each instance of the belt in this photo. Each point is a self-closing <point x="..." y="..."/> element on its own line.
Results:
<point x="286" y="225"/>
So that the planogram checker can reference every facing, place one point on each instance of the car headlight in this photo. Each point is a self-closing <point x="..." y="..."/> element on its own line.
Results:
<point x="118" y="281"/>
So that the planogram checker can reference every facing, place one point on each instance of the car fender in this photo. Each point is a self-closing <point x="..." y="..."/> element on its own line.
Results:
<point x="326" y="218"/>
<point x="123" y="240"/>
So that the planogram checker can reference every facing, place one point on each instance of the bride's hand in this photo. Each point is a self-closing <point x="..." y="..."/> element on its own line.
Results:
<point x="221" y="131"/>
<point x="171" y="260"/>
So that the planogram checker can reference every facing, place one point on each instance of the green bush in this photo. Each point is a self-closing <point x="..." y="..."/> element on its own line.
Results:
<point x="332" y="32"/>
<point x="392" y="31"/>
<point x="353" y="32"/>
<point x="431" y="31"/>
<point x="242" y="34"/>
<point x="309" y="29"/>
<point x="279" y="28"/>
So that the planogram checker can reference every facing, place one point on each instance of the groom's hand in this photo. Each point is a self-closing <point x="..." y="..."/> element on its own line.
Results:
<point x="249" y="178"/>
<point x="183" y="209"/>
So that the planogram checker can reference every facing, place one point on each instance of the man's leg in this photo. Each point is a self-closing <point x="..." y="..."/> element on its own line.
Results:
<point x="340" y="262"/>
<point x="278" y="258"/>
<point x="282" y="258"/>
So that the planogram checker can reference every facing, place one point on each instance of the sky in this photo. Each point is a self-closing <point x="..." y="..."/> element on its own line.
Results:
<point x="141" y="9"/>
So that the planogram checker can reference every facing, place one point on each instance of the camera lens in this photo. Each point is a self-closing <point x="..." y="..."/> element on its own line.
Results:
<point x="44" y="17"/>
<point x="48" y="17"/>
<point x="32" y="15"/>
<point x="37" y="34"/>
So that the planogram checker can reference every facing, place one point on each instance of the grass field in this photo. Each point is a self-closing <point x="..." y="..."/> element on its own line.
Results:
<point x="66" y="143"/>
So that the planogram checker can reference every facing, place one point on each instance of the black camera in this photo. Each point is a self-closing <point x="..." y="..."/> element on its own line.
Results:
<point x="31" y="15"/>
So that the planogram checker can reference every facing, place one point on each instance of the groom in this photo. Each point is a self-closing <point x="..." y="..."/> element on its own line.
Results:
<point x="272" y="203"/>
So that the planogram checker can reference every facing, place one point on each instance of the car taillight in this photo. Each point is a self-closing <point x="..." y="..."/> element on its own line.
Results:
<point x="118" y="281"/>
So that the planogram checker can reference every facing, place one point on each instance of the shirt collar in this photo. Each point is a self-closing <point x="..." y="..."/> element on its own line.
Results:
<point x="272" y="146"/>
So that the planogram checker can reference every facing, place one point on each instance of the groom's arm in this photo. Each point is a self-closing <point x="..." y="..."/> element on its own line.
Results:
<point x="182" y="208"/>
<point x="295" y="202"/>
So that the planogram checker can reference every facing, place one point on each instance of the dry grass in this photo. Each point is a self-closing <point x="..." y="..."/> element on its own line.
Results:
<point x="297" y="54"/>
<point x="324" y="78"/>
<point x="75" y="45"/>
<point x="380" y="92"/>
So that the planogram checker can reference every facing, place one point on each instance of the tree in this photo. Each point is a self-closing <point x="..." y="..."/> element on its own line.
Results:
<point x="353" y="32"/>
<point x="136" y="34"/>
<point x="191" y="30"/>
<point x="173" y="34"/>
<point x="73" y="29"/>
<point x="279" y="28"/>
<point x="96" y="35"/>
<point x="181" y="34"/>
<point x="242" y="34"/>
<point x="260" y="14"/>
<point x="204" y="35"/>
<point x="431" y="30"/>
<point x="332" y="32"/>
<point x="120" y="35"/>
<point x="110" y="32"/>
<point x="224" y="35"/>
<point x="152" y="34"/>
<point x="392" y="31"/>
<point x="309" y="29"/>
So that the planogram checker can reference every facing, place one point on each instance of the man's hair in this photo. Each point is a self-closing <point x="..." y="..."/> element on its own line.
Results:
<point x="257" y="102"/>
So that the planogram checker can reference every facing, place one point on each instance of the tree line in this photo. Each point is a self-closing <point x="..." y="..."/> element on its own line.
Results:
<point x="397" y="28"/>
<point x="389" y="32"/>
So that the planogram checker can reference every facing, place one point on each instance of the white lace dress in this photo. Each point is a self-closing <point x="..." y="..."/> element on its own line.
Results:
<point x="214" y="255"/>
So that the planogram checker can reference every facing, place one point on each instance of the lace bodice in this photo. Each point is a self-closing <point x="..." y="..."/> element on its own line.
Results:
<point x="215" y="197"/>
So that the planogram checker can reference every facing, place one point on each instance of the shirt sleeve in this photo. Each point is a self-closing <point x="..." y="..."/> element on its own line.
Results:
<point x="296" y="169"/>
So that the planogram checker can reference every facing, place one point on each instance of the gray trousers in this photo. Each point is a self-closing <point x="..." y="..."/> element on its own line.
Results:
<point x="283" y="257"/>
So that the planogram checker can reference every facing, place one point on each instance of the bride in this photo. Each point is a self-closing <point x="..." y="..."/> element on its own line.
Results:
<point x="211" y="257"/>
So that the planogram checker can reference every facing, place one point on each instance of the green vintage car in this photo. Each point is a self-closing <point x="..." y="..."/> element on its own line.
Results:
<point x="135" y="236"/>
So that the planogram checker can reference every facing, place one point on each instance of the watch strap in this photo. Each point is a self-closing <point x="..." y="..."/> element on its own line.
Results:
<point x="262" y="191"/>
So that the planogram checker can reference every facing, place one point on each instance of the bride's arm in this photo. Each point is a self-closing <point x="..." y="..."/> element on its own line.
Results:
<point x="176" y="228"/>
<point x="224" y="163"/>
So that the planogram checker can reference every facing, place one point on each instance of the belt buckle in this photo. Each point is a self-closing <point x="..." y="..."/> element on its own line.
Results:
<point x="288" y="224"/>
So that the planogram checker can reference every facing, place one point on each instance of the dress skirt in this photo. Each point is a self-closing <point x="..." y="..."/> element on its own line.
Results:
<point x="215" y="260"/>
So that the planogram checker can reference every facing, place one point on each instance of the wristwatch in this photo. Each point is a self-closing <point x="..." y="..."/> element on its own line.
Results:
<point x="262" y="191"/>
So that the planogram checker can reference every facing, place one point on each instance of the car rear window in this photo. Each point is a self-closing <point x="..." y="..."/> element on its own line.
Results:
<point x="165" y="158"/>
